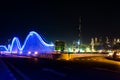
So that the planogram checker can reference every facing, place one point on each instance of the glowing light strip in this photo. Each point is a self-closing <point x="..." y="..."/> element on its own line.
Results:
<point x="18" y="44"/>
<point x="38" y="36"/>
<point x="2" y="46"/>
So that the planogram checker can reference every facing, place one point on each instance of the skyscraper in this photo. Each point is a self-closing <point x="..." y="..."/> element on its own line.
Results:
<point x="79" y="28"/>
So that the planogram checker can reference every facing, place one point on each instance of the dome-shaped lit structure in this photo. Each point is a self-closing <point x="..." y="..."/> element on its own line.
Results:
<point x="32" y="44"/>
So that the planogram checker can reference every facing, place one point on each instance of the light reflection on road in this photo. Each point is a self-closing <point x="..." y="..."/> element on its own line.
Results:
<point x="100" y="62"/>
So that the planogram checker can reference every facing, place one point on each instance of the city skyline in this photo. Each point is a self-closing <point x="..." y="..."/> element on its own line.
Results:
<point x="58" y="20"/>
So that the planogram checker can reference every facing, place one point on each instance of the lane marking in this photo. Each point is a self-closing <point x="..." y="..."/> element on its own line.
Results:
<point x="10" y="73"/>
<point x="19" y="72"/>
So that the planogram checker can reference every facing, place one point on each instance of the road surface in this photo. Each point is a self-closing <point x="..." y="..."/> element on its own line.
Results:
<point x="88" y="68"/>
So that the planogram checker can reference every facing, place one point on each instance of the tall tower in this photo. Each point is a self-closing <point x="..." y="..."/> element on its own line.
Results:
<point x="79" y="28"/>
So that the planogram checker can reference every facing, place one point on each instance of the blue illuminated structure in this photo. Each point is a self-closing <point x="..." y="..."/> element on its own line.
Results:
<point x="3" y="48"/>
<point x="32" y="44"/>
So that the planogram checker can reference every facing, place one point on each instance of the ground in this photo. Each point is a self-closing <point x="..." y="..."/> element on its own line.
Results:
<point x="86" y="68"/>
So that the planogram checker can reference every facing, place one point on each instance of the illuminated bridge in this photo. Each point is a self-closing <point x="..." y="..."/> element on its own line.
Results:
<point x="32" y="44"/>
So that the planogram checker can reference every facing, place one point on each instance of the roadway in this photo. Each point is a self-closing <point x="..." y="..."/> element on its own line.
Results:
<point x="88" y="68"/>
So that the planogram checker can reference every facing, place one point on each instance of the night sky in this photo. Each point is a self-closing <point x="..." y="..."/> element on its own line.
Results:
<point x="58" y="20"/>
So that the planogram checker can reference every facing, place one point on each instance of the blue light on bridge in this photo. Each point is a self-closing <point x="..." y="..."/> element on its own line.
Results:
<point x="32" y="44"/>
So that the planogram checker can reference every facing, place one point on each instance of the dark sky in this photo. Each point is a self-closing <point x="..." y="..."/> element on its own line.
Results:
<point x="58" y="20"/>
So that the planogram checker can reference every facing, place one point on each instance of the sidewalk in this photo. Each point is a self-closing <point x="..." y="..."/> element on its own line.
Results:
<point x="5" y="73"/>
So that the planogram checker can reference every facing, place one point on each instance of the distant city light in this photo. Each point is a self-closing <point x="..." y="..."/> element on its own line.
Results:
<point x="78" y="42"/>
<point x="100" y="51"/>
<point x="88" y="49"/>
<point x="70" y="50"/>
<point x="81" y="50"/>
